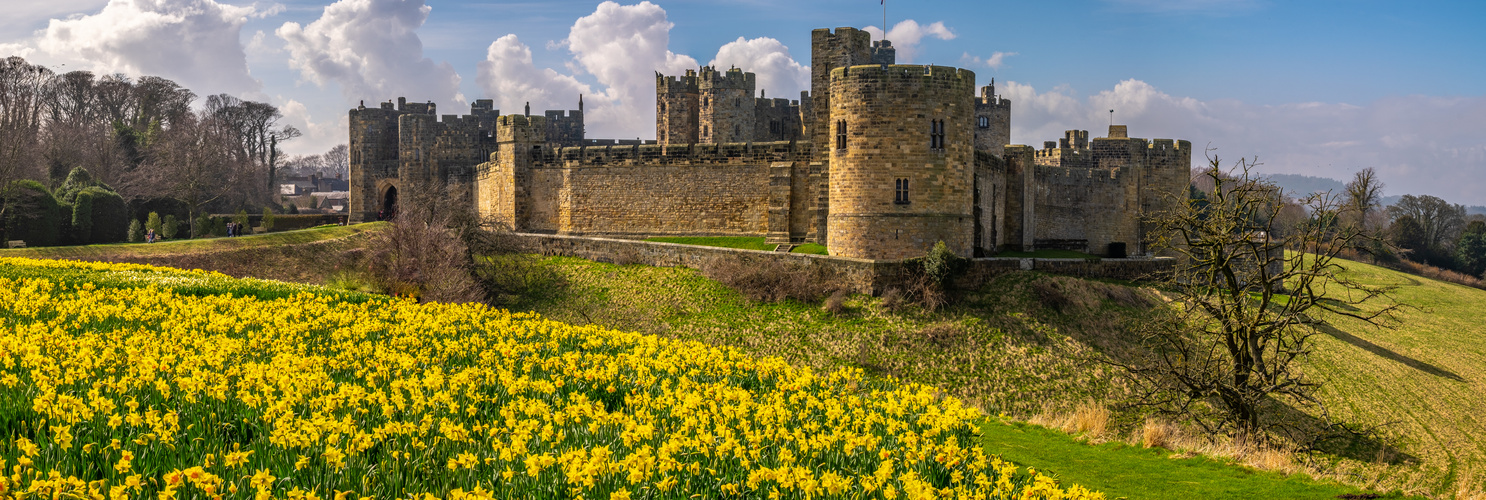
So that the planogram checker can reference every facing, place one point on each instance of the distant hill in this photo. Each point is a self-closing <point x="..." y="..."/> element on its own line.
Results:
<point x="1297" y="185"/>
<point x="1300" y="185"/>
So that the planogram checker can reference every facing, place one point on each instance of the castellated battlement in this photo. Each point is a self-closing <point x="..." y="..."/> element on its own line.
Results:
<point x="521" y="128"/>
<point x="676" y="84"/>
<point x="960" y="77"/>
<point x="641" y="155"/>
<point x="988" y="97"/>
<point x="733" y="78"/>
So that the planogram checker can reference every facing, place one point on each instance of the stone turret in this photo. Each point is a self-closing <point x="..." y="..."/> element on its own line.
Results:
<point x="829" y="50"/>
<point x="677" y="101"/>
<point x="902" y="161"/>
<point x="992" y="120"/>
<point x="727" y="110"/>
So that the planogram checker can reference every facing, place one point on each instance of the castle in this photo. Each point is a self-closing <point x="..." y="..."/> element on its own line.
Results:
<point x="877" y="160"/>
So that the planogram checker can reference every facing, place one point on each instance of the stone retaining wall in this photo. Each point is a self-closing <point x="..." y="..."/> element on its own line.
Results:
<point x="860" y="275"/>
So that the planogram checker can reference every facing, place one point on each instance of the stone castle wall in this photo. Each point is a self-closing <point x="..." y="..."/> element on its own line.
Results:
<point x="756" y="189"/>
<point x="889" y="115"/>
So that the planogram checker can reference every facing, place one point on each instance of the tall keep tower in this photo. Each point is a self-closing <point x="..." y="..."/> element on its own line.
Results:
<point x="828" y="50"/>
<point x="902" y="160"/>
<point x="727" y="105"/>
<point x="992" y="120"/>
<point x="677" y="101"/>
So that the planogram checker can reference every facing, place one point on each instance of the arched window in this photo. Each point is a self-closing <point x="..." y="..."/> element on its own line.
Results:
<point x="900" y="191"/>
<point x="985" y="122"/>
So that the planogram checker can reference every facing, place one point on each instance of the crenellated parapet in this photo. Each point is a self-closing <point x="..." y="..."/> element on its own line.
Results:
<point x="618" y="155"/>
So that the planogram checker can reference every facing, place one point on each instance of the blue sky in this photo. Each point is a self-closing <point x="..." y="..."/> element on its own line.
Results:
<point x="1310" y="87"/>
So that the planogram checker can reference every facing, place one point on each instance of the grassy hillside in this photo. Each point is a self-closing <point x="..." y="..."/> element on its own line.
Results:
<point x="1424" y="381"/>
<point x="306" y="256"/>
<point x="1010" y="347"/>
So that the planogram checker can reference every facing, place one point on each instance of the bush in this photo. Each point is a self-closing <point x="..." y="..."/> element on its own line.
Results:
<point x="420" y="257"/>
<point x="32" y="214"/>
<point x="169" y="226"/>
<point x="153" y="223"/>
<point x="110" y="216"/>
<point x="202" y="226"/>
<point x="82" y="217"/>
<point x="136" y="231"/>
<point x="267" y="221"/>
<point x="836" y="303"/>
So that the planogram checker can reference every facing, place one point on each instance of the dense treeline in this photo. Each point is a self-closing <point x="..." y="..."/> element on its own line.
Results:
<point x="1417" y="229"/>
<point x="83" y="156"/>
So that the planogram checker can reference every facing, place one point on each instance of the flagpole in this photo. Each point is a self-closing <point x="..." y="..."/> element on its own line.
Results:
<point x="884" y="19"/>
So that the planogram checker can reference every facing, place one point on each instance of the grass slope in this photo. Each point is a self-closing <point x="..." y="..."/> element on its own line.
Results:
<point x="1001" y="348"/>
<point x="1423" y="381"/>
<point x="313" y="255"/>
<point x="1124" y="471"/>
<point x="118" y="251"/>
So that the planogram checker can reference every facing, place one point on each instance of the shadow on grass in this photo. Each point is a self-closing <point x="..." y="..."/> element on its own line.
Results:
<point x="1386" y="353"/>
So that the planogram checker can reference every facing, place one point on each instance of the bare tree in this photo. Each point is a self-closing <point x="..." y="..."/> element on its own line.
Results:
<point x="337" y="162"/>
<point x="1363" y="196"/>
<point x="1247" y="309"/>
<point x="22" y="100"/>
<point x="193" y="163"/>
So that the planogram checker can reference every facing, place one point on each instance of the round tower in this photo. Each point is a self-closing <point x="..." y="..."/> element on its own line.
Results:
<point x="902" y="144"/>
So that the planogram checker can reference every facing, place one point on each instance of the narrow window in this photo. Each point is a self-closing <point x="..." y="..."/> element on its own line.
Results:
<point x="737" y="131"/>
<point x="900" y="191"/>
<point x="841" y="134"/>
<point x="936" y="134"/>
<point x="706" y="101"/>
<point x="704" y="131"/>
<point x="985" y="122"/>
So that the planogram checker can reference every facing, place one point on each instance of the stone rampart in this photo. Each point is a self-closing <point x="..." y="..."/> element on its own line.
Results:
<point x="860" y="275"/>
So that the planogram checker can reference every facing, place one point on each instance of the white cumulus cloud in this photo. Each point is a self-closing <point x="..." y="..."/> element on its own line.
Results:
<point x="996" y="60"/>
<point x="1418" y="144"/>
<point x="508" y="76"/>
<point x="194" y="42"/>
<point x="907" y="35"/>
<point x="778" y="74"/>
<point x="619" y="46"/>
<point x="371" y="48"/>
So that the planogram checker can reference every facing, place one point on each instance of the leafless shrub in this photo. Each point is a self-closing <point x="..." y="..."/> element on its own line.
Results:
<point x="892" y="300"/>
<point x="836" y="303"/>
<point x="772" y="279"/>
<point x="419" y="255"/>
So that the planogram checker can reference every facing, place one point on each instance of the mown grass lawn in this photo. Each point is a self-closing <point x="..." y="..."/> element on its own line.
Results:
<point x="1123" y="471"/>
<point x="813" y="248"/>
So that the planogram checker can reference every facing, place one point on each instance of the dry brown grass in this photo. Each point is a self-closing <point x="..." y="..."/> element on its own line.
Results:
<point x="836" y="303"/>
<point x="1088" y="420"/>
<point x="1156" y="434"/>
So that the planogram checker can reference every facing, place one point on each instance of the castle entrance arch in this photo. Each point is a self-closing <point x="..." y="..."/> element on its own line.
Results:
<point x="388" y="210"/>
